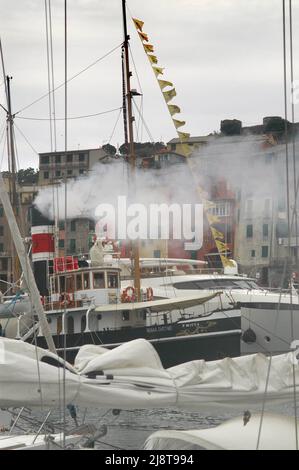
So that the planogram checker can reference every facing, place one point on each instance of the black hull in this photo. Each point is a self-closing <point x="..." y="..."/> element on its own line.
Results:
<point x="175" y="343"/>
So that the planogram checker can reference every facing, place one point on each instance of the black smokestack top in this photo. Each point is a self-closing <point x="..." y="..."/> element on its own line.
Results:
<point x="275" y="125"/>
<point x="37" y="218"/>
<point x="231" y="127"/>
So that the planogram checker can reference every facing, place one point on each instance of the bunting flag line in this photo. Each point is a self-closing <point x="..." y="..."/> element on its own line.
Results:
<point x="226" y="262"/>
<point x="138" y="23"/>
<point x="153" y="59"/>
<point x="178" y="124"/>
<point x="173" y="109"/>
<point x="213" y="219"/>
<point x="183" y="148"/>
<point x="168" y="95"/>
<point x="183" y="135"/>
<point x="148" y="47"/>
<point x="217" y="234"/>
<point x="208" y="204"/>
<point x="143" y="36"/>
<point x="164" y="83"/>
<point x="158" y="70"/>
<point x="222" y="247"/>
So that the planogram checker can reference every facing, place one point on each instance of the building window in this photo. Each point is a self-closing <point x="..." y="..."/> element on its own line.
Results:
<point x="264" y="251"/>
<point x="58" y="173"/>
<point x="1" y="211"/>
<point x="221" y="209"/>
<point x="1" y="230"/>
<point x="46" y="175"/>
<point x="157" y="253"/>
<point x="265" y="230"/>
<point x="91" y="225"/>
<point x="252" y="253"/>
<point x="61" y="243"/>
<point x="73" y="225"/>
<point x="61" y="225"/>
<point x="69" y="172"/>
<point x="81" y="157"/>
<point x="249" y="231"/>
<point x="81" y="171"/>
<point x="1" y="247"/>
<point x="69" y="158"/>
<point x="72" y="245"/>
<point x="57" y="158"/>
<point x="44" y="159"/>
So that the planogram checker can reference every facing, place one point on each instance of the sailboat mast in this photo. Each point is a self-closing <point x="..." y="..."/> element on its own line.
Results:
<point x="12" y="177"/>
<point x="132" y="155"/>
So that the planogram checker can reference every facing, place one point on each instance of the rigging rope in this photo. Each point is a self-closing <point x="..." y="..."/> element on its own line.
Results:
<point x="70" y="79"/>
<point x="70" y="118"/>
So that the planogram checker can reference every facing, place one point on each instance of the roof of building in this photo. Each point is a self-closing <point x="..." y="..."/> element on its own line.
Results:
<point x="71" y="151"/>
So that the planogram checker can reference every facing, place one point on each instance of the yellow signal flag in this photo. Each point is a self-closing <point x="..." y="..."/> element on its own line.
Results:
<point x="221" y="246"/>
<point x="158" y="70"/>
<point x="152" y="58"/>
<point x="164" y="83"/>
<point x="148" y="48"/>
<point x="168" y="95"/>
<point x="208" y="204"/>
<point x="138" y="24"/>
<point x="183" y="135"/>
<point x="173" y="109"/>
<point x="226" y="261"/>
<point x="143" y="36"/>
<point x="183" y="149"/>
<point x="213" y="219"/>
<point x="178" y="124"/>
<point x="217" y="234"/>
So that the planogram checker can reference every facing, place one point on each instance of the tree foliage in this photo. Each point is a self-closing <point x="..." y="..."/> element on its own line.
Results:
<point x="142" y="149"/>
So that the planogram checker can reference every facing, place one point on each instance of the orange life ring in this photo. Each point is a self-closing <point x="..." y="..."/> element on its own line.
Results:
<point x="126" y="297"/>
<point x="149" y="293"/>
<point x="65" y="300"/>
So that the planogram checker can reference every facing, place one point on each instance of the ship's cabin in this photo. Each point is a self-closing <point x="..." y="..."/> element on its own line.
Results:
<point x="79" y="287"/>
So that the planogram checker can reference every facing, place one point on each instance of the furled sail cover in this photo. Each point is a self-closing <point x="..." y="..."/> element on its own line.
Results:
<point x="132" y="376"/>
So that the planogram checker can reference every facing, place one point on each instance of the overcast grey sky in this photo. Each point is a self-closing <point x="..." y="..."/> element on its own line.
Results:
<point x="223" y="56"/>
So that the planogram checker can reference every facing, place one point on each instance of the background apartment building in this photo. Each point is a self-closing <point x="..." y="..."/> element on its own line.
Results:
<point x="55" y="166"/>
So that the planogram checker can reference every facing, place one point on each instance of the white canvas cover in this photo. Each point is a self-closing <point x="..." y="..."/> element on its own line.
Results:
<point x="278" y="432"/>
<point x="132" y="376"/>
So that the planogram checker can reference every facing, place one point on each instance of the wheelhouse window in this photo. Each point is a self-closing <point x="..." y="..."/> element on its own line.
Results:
<point x="79" y="282"/>
<point x="112" y="280"/>
<point x="62" y="283"/>
<point x="86" y="284"/>
<point x="98" y="280"/>
<point x="70" y="284"/>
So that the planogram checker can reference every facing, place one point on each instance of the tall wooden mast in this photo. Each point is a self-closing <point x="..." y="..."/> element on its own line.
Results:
<point x="132" y="155"/>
